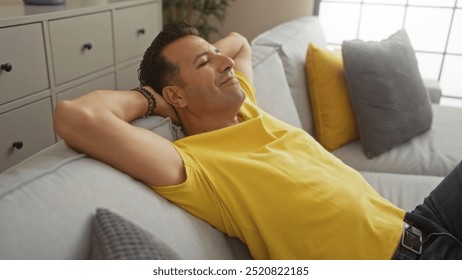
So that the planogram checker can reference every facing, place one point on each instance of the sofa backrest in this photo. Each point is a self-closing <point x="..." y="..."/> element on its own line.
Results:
<point x="272" y="90"/>
<point x="291" y="40"/>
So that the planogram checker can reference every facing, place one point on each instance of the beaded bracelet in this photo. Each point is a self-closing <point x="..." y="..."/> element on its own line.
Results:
<point x="151" y="100"/>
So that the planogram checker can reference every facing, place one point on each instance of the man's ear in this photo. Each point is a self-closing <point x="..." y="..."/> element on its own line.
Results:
<point x="174" y="96"/>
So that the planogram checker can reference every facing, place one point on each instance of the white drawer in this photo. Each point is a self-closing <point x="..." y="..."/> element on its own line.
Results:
<point x="135" y="28"/>
<point x="105" y="82"/>
<point x="81" y="45"/>
<point x="22" y="56"/>
<point x="127" y="78"/>
<point x="25" y="131"/>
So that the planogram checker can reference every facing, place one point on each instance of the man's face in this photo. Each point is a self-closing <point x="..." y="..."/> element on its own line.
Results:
<point x="209" y="82"/>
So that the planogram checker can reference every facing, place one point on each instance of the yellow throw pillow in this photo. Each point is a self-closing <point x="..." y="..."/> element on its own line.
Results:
<point x="332" y="112"/>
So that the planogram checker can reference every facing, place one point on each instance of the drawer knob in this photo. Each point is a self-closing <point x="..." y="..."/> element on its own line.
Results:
<point x="18" y="145"/>
<point x="141" y="31"/>
<point x="7" y="67"/>
<point x="87" y="46"/>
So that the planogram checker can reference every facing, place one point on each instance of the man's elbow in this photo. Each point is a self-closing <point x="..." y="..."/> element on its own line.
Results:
<point x="240" y="37"/>
<point x="67" y="119"/>
<point x="59" y="117"/>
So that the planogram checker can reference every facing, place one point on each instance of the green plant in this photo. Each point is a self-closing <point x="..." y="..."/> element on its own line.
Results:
<point x="198" y="13"/>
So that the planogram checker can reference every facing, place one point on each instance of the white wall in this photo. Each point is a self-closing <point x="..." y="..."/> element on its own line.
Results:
<point x="251" y="17"/>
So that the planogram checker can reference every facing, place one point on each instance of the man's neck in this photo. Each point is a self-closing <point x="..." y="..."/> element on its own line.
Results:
<point x="192" y="126"/>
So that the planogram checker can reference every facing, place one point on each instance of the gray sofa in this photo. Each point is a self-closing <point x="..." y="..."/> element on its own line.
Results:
<point x="48" y="202"/>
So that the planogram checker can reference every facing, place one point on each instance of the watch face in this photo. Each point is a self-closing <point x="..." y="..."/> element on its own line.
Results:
<point x="412" y="239"/>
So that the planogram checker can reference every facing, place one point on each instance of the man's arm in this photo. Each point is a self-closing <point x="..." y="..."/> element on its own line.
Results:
<point x="237" y="47"/>
<point x="98" y="125"/>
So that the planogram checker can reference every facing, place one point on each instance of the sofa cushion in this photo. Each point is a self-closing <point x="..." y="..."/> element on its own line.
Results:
<point x="389" y="99"/>
<point x="435" y="152"/>
<point x="332" y="112"/>
<point x="56" y="193"/>
<point x="161" y="126"/>
<point x="291" y="39"/>
<point x="273" y="93"/>
<point x="116" y="238"/>
<point x="403" y="190"/>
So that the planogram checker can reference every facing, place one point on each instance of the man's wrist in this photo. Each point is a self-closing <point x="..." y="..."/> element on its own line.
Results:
<point x="158" y="108"/>
<point x="150" y="98"/>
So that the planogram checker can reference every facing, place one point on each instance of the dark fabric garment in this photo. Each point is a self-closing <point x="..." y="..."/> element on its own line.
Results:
<point x="439" y="218"/>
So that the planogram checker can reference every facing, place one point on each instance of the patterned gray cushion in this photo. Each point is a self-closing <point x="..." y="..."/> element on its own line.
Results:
<point x="115" y="238"/>
<point x="389" y="99"/>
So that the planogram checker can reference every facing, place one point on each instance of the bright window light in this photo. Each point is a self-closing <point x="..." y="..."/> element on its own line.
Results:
<point x="402" y="2"/>
<point x="453" y="102"/>
<point x="450" y="77"/>
<point x="455" y="39"/>
<point x="433" y="3"/>
<point x="434" y="27"/>
<point x="429" y="65"/>
<point x="339" y="21"/>
<point x="347" y="1"/>
<point x="373" y="17"/>
<point x="420" y="28"/>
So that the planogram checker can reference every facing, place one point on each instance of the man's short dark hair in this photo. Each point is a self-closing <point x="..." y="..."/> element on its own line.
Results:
<point x="155" y="70"/>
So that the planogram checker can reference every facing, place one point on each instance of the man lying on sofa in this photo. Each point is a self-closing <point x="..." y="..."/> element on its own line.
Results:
<point x="245" y="172"/>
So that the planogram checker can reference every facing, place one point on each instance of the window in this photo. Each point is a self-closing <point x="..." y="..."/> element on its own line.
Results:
<point x="434" y="27"/>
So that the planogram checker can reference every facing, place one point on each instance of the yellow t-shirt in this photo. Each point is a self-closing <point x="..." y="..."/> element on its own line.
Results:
<point x="275" y="188"/>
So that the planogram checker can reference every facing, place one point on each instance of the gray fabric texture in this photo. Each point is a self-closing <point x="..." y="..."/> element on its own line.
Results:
<point x="403" y="190"/>
<point x="161" y="126"/>
<point x="291" y="39"/>
<point x="389" y="99"/>
<point x="273" y="93"/>
<point x="435" y="152"/>
<point x="116" y="238"/>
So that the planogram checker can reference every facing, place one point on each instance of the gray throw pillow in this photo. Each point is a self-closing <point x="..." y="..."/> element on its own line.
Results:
<point x="389" y="99"/>
<point x="115" y="238"/>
